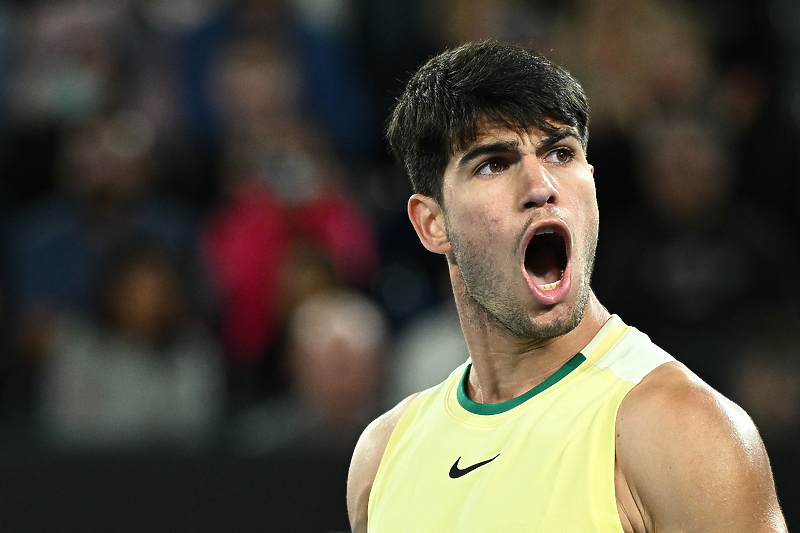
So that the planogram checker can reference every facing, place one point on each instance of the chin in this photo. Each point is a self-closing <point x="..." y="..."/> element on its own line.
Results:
<point x="552" y="325"/>
<point x="559" y="319"/>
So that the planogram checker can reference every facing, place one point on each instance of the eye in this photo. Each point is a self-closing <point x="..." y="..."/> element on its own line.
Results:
<point x="560" y="155"/>
<point x="492" y="166"/>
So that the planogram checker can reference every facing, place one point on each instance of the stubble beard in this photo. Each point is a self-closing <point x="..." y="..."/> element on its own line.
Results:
<point x="486" y="286"/>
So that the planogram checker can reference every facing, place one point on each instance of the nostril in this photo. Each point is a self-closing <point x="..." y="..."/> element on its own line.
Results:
<point x="530" y="204"/>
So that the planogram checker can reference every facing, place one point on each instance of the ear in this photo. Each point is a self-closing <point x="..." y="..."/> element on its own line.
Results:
<point x="428" y="220"/>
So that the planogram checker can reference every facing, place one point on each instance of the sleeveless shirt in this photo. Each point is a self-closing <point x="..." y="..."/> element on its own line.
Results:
<point x="541" y="462"/>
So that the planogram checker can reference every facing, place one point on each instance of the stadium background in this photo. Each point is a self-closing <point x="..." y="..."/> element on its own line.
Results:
<point x="184" y="183"/>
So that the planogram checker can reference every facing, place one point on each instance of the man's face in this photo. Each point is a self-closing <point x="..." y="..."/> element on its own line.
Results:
<point x="521" y="216"/>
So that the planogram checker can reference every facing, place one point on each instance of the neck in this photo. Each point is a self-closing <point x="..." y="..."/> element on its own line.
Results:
<point x="504" y="365"/>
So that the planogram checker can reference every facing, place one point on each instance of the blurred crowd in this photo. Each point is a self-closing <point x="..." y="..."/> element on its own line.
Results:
<point x="204" y="240"/>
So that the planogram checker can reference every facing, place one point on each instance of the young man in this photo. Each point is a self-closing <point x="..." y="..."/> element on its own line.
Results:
<point x="564" y="419"/>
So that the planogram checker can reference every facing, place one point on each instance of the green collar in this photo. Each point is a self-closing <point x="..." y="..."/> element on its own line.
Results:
<point x="496" y="408"/>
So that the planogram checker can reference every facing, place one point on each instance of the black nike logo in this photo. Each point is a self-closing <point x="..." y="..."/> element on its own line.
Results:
<point x="456" y="472"/>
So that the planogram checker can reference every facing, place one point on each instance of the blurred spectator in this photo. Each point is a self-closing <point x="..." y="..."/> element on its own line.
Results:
<point x="691" y="251"/>
<point x="635" y="57"/>
<point x="66" y="68"/>
<point x="636" y="60"/>
<point x="749" y="98"/>
<point x="167" y="57"/>
<point x="286" y="223"/>
<point x="427" y="348"/>
<point x="105" y="194"/>
<point x="71" y="64"/>
<point x="142" y="371"/>
<point x="337" y="342"/>
<point x="256" y="86"/>
<point x="319" y="36"/>
<point x="336" y="92"/>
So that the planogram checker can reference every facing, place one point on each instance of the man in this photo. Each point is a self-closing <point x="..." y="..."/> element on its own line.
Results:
<point x="564" y="419"/>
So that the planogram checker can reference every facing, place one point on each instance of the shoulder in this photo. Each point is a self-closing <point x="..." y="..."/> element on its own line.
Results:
<point x="366" y="460"/>
<point x="692" y="459"/>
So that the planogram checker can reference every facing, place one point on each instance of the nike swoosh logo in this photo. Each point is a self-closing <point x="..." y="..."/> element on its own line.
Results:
<point x="456" y="472"/>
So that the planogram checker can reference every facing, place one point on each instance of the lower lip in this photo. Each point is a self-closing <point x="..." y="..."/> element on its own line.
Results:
<point x="554" y="295"/>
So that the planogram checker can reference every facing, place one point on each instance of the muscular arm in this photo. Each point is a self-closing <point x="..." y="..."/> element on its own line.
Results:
<point x="364" y="465"/>
<point x="691" y="460"/>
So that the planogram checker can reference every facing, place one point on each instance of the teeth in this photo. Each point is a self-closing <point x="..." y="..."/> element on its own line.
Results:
<point x="549" y="286"/>
<point x="544" y="231"/>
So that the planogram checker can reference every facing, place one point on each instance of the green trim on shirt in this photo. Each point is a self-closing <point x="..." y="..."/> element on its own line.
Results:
<point x="496" y="408"/>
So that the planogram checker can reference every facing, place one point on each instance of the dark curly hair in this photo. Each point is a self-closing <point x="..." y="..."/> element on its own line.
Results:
<point x="460" y="90"/>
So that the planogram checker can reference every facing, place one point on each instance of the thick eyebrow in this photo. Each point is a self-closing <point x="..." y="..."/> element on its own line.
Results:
<point x="556" y="137"/>
<point x="513" y="146"/>
<point x="480" y="150"/>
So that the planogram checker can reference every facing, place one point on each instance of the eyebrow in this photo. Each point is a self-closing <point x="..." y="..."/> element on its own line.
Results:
<point x="513" y="145"/>
<point x="557" y="136"/>
<point x="480" y="150"/>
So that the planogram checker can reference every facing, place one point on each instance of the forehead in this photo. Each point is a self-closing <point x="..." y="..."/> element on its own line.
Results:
<point x="488" y="134"/>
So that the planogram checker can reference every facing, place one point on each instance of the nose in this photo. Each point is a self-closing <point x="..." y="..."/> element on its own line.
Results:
<point x="537" y="185"/>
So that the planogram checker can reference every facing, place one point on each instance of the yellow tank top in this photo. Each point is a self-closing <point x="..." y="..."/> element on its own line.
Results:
<point x="541" y="462"/>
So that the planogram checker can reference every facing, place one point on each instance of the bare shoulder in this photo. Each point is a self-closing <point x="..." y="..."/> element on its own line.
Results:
<point x="692" y="459"/>
<point x="366" y="459"/>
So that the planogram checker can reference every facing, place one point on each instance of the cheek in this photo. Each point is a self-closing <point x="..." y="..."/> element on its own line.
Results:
<point x="478" y="227"/>
<point x="589" y="213"/>
<point x="477" y="211"/>
<point x="581" y="201"/>
<point x="589" y="208"/>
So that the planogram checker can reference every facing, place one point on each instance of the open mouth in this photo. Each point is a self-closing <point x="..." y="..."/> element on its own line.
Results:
<point x="546" y="258"/>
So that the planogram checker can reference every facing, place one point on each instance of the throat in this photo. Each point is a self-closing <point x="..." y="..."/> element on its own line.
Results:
<point x="546" y="260"/>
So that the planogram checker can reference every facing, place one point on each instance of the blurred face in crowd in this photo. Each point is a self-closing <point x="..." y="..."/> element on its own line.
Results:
<point x="685" y="190"/>
<point x="107" y="160"/>
<point x="337" y="344"/>
<point x="144" y="299"/>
